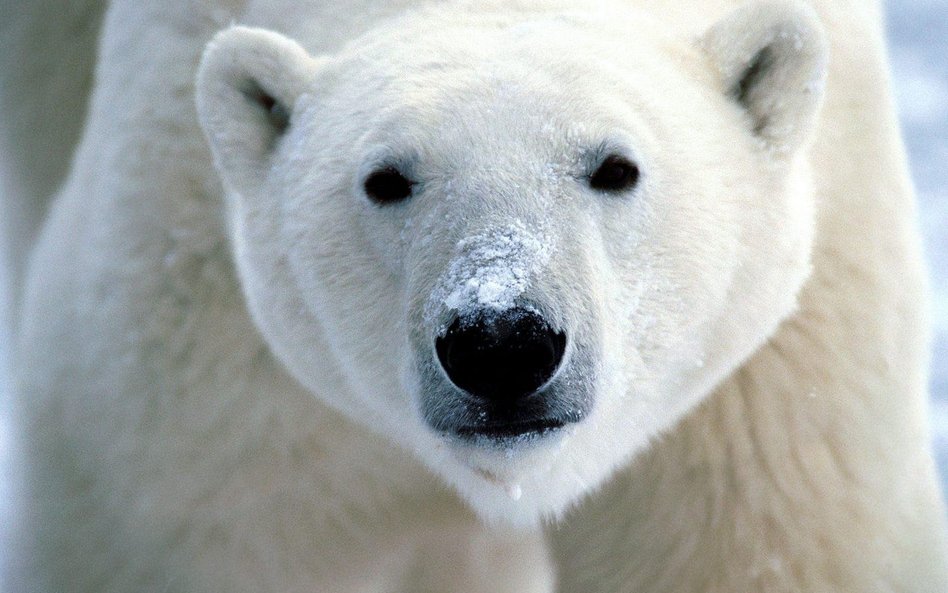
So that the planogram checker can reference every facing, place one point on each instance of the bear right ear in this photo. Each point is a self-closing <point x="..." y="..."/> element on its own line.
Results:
<point x="772" y="57"/>
<point x="247" y="85"/>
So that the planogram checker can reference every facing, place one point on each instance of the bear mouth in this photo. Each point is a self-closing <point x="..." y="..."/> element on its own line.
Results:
<point x="511" y="431"/>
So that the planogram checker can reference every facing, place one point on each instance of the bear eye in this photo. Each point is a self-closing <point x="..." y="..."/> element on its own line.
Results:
<point x="387" y="186"/>
<point x="615" y="174"/>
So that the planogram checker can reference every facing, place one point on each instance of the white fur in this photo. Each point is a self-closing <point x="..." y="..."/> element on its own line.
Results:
<point x="219" y="366"/>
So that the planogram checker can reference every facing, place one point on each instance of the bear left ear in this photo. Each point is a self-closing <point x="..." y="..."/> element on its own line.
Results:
<point x="247" y="85"/>
<point x="773" y="59"/>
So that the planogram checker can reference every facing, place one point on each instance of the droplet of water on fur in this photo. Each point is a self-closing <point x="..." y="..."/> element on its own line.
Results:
<point x="514" y="491"/>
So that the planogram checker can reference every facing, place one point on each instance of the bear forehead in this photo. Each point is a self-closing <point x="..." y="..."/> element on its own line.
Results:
<point x="504" y="81"/>
<point x="491" y="98"/>
<point x="560" y="46"/>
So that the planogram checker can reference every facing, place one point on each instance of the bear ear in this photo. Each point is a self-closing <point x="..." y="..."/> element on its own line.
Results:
<point x="773" y="59"/>
<point x="247" y="85"/>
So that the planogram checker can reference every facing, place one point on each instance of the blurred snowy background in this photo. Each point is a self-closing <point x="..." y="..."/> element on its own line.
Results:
<point x="918" y="31"/>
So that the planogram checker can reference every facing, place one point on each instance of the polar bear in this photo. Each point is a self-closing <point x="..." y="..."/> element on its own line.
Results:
<point x="480" y="296"/>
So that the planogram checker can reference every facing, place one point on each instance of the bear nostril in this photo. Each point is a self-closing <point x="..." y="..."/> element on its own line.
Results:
<point x="501" y="357"/>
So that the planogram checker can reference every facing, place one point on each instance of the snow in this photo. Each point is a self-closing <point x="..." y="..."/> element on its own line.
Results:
<point x="491" y="270"/>
<point x="514" y="491"/>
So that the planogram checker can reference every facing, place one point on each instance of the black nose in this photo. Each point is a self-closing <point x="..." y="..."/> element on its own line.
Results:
<point x="501" y="357"/>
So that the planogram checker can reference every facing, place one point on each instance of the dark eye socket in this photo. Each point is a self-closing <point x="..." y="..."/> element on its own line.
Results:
<point x="615" y="174"/>
<point x="387" y="186"/>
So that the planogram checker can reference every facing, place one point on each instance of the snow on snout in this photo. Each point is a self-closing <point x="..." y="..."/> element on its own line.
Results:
<point x="491" y="269"/>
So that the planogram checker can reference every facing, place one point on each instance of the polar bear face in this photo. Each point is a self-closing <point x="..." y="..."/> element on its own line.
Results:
<point x="517" y="260"/>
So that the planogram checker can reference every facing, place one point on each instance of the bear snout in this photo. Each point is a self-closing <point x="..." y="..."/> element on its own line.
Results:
<point x="501" y="357"/>
<point x="495" y="375"/>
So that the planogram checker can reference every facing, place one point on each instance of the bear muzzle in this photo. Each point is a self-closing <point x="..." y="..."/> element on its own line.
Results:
<point x="498" y="376"/>
<point x="501" y="357"/>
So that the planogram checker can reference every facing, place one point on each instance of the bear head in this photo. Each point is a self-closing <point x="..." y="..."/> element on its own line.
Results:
<point x="519" y="245"/>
